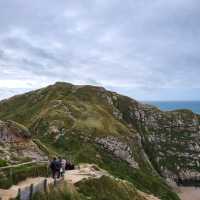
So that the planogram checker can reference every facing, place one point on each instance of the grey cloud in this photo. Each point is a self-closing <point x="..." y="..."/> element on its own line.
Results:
<point x="136" y="45"/>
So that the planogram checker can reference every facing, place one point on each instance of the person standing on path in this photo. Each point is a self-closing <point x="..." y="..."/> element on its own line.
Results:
<point x="58" y="167"/>
<point x="63" y="166"/>
<point x="53" y="166"/>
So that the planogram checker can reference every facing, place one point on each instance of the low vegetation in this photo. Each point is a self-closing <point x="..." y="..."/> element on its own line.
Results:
<point x="105" y="188"/>
<point x="80" y="151"/>
<point x="3" y="163"/>
<point x="63" y="192"/>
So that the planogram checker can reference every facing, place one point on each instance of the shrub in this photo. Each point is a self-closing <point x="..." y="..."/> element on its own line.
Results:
<point x="3" y="163"/>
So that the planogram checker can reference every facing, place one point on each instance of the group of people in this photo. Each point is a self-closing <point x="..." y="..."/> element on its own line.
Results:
<point x="59" y="166"/>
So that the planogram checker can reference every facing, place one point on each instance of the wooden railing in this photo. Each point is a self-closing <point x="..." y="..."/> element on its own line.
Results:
<point x="35" y="169"/>
<point x="22" y="164"/>
<point x="27" y="192"/>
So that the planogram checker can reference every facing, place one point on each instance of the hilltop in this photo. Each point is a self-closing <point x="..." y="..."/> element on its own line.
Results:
<point x="133" y="141"/>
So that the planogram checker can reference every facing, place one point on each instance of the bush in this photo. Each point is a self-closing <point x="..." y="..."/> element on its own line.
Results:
<point x="3" y="163"/>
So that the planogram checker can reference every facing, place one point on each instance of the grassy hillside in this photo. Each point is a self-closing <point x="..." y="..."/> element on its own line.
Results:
<point x="93" y="125"/>
<point x="105" y="188"/>
<point x="63" y="109"/>
<point x="108" y="188"/>
<point x="79" y="150"/>
<point x="63" y="106"/>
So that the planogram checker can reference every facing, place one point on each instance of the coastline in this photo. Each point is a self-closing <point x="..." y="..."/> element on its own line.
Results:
<point x="194" y="106"/>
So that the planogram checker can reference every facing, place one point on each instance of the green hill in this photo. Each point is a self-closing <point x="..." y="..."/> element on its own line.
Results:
<point x="131" y="140"/>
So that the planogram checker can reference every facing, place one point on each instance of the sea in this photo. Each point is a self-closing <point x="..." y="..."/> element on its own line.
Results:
<point x="174" y="105"/>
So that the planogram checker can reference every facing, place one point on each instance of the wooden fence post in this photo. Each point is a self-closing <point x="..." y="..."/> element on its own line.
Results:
<point x="45" y="185"/>
<point x="55" y="182"/>
<point x="11" y="175"/>
<point x="19" y="194"/>
<point x="31" y="191"/>
<point x="47" y="167"/>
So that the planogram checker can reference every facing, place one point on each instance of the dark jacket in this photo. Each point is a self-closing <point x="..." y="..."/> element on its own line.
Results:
<point x="55" y="165"/>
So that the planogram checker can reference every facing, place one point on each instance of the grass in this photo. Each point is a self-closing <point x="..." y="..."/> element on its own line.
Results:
<point x="81" y="151"/>
<point x="3" y="163"/>
<point x="141" y="179"/>
<point x="107" y="188"/>
<point x="63" y="192"/>
<point x="43" y="148"/>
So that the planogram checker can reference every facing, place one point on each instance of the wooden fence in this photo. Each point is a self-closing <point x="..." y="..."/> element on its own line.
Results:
<point x="26" y="193"/>
<point x="11" y="175"/>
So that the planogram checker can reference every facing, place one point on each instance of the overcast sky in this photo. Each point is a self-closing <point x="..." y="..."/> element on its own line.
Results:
<point x="147" y="49"/>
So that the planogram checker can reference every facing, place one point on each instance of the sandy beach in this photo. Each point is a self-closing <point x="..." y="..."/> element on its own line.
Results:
<point x="189" y="193"/>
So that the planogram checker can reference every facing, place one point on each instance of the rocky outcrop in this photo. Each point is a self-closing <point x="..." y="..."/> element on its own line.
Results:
<point x="119" y="149"/>
<point x="16" y="145"/>
<point x="12" y="132"/>
<point x="171" y="139"/>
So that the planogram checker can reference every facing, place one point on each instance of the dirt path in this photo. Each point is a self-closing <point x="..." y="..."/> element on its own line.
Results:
<point x="148" y="196"/>
<point x="86" y="171"/>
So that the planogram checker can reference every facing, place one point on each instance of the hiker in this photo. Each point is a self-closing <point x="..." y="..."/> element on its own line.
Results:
<point x="63" y="166"/>
<point x="69" y="165"/>
<point x="54" y="167"/>
<point x="59" y="167"/>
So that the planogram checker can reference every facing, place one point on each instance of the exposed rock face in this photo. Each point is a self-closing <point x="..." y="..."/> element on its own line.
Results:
<point x="119" y="149"/>
<point x="171" y="139"/>
<point x="13" y="132"/>
<point x="16" y="144"/>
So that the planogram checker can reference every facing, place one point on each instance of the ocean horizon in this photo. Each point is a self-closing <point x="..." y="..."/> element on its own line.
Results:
<point x="176" y="105"/>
